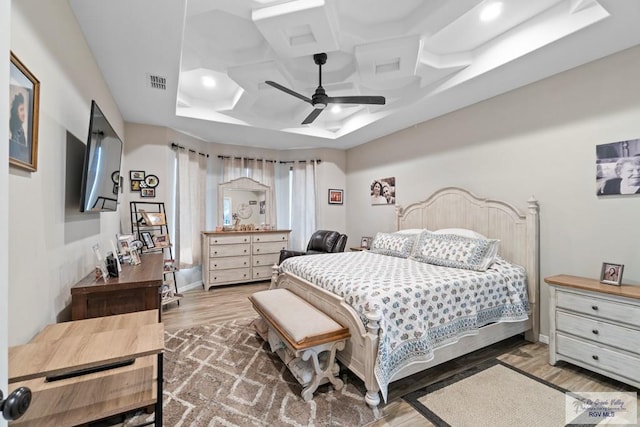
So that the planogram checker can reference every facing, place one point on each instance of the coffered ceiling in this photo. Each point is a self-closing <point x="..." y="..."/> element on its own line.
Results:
<point x="200" y="66"/>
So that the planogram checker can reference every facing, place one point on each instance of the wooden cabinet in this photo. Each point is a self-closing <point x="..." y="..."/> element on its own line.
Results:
<point x="595" y="326"/>
<point x="240" y="256"/>
<point x="136" y="289"/>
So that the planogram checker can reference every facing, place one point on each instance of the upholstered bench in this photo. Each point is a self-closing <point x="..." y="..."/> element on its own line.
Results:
<point x="307" y="333"/>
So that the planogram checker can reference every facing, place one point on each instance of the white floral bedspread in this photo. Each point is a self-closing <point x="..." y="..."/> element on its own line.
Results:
<point x="423" y="306"/>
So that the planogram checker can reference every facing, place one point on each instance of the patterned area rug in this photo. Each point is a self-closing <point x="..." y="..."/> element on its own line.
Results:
<point x="224" y="375"/>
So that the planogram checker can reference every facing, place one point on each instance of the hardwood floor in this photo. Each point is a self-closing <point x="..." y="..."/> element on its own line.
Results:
<point x="229" y="302"/>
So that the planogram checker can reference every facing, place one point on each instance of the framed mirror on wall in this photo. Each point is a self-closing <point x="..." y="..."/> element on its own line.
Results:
<point x="243" y="201"/>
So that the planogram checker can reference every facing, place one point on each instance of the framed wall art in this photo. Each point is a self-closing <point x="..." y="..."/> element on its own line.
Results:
<point x="136" y="175"/>
<point x="383" y="191"/>
<point x="618" y="168"/>
<point x="24" y="101"/>
<point x="336" y="196"/>
<point x="611" y="274"/>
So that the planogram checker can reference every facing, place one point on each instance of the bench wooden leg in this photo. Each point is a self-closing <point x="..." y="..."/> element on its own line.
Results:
<point x="330" y="371"/>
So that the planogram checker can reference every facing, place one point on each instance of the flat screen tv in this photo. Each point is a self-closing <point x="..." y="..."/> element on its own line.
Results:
<point x="101" y="173"/>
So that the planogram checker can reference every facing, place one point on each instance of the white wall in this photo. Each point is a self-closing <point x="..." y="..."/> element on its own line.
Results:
<point x="50" y="244"/>
<point x="536" y="141"/>
<point x="5" y="13"/>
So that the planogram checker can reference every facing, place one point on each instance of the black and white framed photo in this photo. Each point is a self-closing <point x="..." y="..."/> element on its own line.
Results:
<point x="611" y="273"/>
<point x="147" y="239"/>
<point x="383" y="191"/>
<point x="618" y="168"/>
<point x="365" y="242"/>
<point x="24" y="104"/>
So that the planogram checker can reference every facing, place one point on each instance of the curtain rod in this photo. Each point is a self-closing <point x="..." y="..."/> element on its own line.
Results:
<point x="175" y="146"/>
<point x="271" y="161"/>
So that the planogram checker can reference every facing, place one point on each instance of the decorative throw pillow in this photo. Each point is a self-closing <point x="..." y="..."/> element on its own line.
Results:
<point x="393" y="244"/>
<point x="450" y="250"/>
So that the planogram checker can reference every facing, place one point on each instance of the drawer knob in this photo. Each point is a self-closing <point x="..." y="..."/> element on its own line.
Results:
<point x="594" y="307"/>
<point x="257" y="262"/>
<point x="215" y="241"/>
<point x="595" y="332"/>
<point x="245" y="251"/>
<point x="215" y="265"/>
<point x="257" y="250"/>
<point x="258" y="239"/>
<point x="245" y="263"/>
<point x="215" y="252"/>
<point x="595" y="357"/>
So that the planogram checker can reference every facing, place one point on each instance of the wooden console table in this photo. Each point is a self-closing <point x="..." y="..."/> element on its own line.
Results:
<point x="136" y="289"/>
<point x="85" y="351"/>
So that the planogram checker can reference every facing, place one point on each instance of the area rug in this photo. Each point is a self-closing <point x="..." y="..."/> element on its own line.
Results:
<point x="223" y="374"/>
<point x="491" y="394"/>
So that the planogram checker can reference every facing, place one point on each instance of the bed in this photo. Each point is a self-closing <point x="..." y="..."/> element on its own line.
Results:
<point x="366" y="353"/>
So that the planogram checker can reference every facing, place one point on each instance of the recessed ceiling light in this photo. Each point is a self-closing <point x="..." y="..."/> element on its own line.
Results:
<point x="336" y="109"/>
<point x="491" y="11"/>
<point x="208" y="81"/>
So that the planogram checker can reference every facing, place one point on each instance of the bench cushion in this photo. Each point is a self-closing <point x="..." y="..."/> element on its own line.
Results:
<point x="301" y="323"/>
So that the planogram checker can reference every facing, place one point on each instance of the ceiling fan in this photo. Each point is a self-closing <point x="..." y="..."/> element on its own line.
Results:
<point x="319" y="100"/>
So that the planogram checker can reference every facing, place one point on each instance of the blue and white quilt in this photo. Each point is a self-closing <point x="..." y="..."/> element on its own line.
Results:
<point x="423" y="306"/>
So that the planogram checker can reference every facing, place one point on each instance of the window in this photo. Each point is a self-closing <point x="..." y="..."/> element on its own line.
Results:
<point x="226" y="211"/>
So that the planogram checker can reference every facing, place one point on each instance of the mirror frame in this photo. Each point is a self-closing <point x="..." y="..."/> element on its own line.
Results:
<point x="243" y="183"/>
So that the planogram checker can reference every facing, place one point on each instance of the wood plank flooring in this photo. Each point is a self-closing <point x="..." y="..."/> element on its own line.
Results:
<point x="230" y="302"/>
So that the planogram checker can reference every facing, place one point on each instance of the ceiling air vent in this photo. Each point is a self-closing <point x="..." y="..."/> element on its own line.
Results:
<point x="157" y="82"/>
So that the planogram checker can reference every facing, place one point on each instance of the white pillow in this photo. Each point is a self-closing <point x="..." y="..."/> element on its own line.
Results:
<point x="411" y="231"/>
<point x="464" y="232"/>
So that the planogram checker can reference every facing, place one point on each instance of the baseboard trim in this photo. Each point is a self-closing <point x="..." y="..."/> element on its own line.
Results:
<point x="191" y="286"/>
<point x="543" y="339"/>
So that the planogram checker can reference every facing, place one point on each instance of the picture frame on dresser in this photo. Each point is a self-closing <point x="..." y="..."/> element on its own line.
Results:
<point x="611" y="274"/>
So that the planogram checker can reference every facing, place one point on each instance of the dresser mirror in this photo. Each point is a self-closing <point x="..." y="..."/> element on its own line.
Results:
<point x="244" y="200"/>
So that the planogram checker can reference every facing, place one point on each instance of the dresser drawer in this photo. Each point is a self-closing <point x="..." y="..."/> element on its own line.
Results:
<point x="229" y="250"/>
<point x="265" y="260"/>
<point x="262" y="272"/>
<point x="269" y="247"/>
<point x="598" y="331"/>
<point x="598" y="357"/>
<point x="599" y="307"/>
<point x="271" y="237"/>
<point x="223" y="263"/>
<point x="233" y="275"/>
<point x="229" y="239"/>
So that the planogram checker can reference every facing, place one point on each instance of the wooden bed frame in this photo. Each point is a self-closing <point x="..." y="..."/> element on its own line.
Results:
<point x="446" y="208"/>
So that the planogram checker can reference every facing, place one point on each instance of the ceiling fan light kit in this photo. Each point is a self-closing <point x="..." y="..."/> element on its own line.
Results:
<point x="319" y="100"/>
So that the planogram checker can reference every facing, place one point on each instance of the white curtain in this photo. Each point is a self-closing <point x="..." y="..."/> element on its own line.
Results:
<point x="303" y="210"/>
<point x="190" y="209"/>
<point x="232" y="168"/>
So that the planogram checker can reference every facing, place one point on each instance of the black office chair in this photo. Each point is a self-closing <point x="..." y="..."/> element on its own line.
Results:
<point x="321" y="242"/>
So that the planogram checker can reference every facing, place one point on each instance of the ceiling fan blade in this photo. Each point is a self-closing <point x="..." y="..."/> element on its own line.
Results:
<point x="378" y="100"/>
<point x="289" y="91"/>
<point x="312" y="116"/>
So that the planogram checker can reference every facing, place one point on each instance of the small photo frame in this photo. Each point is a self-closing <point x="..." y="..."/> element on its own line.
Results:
<point x="136" y="175"/>
<point x="151" y="181"/>
<point x="147" y="239"/>
<point x="611" y="273"/>
<point x="147" y="192"/>
<point x="162" y="240"/>
<point x="135" y="185"/>
<point x="365" y="242"/>
<point x="336" y="196"/>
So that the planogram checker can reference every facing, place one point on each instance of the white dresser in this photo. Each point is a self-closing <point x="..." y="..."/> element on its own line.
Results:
<point x="595" y="326"/>
<point x="240" y="256"/>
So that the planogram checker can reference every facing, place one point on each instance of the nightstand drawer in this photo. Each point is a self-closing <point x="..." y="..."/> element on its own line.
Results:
<point x="598" y="331"/>
<point x="599" y="307"/>
<point x="599" y="357"/>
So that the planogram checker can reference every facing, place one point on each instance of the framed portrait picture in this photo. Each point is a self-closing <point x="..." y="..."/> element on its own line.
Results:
<point x="611" y="273"/>
<point x="383" y="191"/>
<point x="136" y="175"/>
<point x="162" y="240"/>
<point x="365" y="242"/>
<point x="135" y="185"/>
<point x="24" y="101"/>
<point x="147" y="239"/>
<point x="335" y="196"/>
<point x="617" y="165"/>
<point x="151" y="181"/>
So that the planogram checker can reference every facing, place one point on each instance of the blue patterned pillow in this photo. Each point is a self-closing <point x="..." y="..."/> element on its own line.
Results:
<point x="393" y="244"/>
<point x="450" y="250"/>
